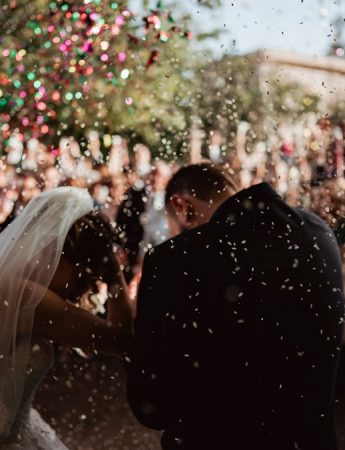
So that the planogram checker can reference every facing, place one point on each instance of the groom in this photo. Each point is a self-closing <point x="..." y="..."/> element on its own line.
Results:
<point x="239" y="322"/>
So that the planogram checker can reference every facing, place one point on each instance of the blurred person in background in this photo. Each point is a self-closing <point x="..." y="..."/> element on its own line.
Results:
<point x="66" y="160"/>
<point x="103" y="170"/>
<point x="142" y="161"/>
<point x="100" y="194"/>
<point x="328" y="201"/>
<point x="130" y="229"/>
<point x="85" y="170"/>
<point x="6" y="210"/>
<point x="118" y="186"/>
<point x="118" y="158"/>
<point x="9" y="193"/>
<point x="75" y="182"/>
<point x="29" y="190"/>
<point x="154" y="219"/>
<point x="30" y="160"/>
<point x="51" y="177"/>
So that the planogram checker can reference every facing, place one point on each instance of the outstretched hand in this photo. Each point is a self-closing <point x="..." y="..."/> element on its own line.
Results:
<point x="133" y="292"/>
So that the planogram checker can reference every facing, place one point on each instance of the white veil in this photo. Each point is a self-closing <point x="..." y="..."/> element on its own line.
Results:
<point x="30" y="250"/>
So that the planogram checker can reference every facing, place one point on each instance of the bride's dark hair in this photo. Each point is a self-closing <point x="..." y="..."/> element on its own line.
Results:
<point x="90" y="243"/>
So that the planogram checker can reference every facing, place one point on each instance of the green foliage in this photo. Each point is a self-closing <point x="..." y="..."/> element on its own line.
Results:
<point x="230" y="90"/>
<point x="136" y="78"/>
<point x="228" y="93"/>
<point x="71" y="66"/>
<point x="290" y="100"/>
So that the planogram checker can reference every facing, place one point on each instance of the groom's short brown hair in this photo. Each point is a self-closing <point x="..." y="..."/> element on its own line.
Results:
<point x="203" y="181"/>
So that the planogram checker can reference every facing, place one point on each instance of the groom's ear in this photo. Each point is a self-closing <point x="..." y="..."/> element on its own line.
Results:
<point x="177" y="203"/>
<point x="183" y="210"/>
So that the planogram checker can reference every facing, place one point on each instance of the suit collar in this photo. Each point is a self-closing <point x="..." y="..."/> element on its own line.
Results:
<point x="248" y="200"/>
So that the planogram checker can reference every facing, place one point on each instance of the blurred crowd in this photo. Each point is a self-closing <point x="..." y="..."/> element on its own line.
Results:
<point x="305" y="165"/>
<point x="129" y="191"/>
<point x="128" y="184"/>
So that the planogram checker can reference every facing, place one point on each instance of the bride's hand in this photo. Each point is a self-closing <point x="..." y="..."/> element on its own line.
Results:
<point x="133" y="292"/>
<point x="121" y="257"/>
<point x="119" y="304"/>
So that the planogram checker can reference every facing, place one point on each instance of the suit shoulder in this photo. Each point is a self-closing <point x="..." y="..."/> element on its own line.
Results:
<point x="182" y="242"/>
<point x="317" y="226"/>
<point x="312" y="218"/>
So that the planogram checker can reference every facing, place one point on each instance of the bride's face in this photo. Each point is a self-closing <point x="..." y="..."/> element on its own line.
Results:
<point x="71" y="281"/>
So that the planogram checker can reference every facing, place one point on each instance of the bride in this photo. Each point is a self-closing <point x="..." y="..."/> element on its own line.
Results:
<point x="51" y="254"/>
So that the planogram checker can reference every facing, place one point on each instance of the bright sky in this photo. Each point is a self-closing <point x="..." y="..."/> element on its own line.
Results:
<point x="298" y="25"/>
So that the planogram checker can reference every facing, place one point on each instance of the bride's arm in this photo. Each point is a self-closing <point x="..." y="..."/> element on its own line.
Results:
<point x="119" y="311"/>
<point x="64" y="323"/>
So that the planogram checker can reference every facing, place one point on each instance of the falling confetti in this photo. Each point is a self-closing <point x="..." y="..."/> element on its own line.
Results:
<point x="56" y="62"/>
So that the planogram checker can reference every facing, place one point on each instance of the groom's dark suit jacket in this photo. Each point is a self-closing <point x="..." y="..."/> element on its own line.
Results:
<point x="238" y="331"/>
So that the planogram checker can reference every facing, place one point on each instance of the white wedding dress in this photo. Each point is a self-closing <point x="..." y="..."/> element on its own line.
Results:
<point x="29" y="431"/>
<point x="30" y="250"/>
